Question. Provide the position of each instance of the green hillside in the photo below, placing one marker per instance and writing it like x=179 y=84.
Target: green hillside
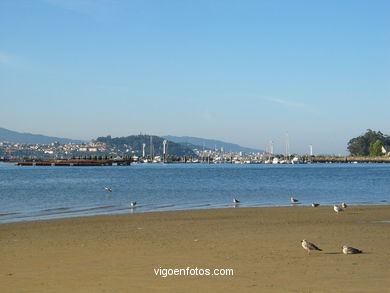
x=134 y=144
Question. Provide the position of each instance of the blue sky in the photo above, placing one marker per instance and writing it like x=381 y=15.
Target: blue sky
x=240 y=71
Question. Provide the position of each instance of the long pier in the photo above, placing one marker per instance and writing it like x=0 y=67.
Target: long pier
x=118 y=162
x=349 y=159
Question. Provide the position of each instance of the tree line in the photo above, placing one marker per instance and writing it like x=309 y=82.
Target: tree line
x=369 y=144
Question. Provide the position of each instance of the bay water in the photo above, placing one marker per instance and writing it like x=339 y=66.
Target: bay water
x=45 y=192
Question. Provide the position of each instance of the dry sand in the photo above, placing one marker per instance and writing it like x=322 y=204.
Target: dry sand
x=261 y=245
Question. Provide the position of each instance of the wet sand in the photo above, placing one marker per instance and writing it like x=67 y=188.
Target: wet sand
x=261 y=245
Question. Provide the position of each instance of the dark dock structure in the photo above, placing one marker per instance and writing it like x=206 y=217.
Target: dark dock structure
x=75 y=162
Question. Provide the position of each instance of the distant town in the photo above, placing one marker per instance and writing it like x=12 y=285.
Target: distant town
x=102 y=151
x=99 y=153
x=153 y=149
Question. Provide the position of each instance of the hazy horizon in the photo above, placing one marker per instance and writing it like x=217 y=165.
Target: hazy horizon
x=244 y=73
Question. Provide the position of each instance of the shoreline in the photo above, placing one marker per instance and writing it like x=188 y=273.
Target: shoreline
x=130 y=212
x=119 y=253
x=306 y=159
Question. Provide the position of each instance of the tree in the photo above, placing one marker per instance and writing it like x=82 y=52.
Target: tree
x=376 y=149
x=360 y=146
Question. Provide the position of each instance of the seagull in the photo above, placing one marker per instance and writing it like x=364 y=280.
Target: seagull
x=309 y=246
x=343 y=205
x=314 y=204
x=133 y=204
x=236 y=201
x=293 y=200
x=337 y=209
x=350 y=250
x=107 y=188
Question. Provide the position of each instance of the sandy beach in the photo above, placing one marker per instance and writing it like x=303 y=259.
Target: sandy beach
x=260 y=245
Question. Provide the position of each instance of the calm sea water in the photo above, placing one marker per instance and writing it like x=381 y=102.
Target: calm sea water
x=38 y=193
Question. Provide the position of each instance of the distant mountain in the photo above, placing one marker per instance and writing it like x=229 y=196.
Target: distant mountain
x=19 y=137
x=211 y=144
x=135 y=142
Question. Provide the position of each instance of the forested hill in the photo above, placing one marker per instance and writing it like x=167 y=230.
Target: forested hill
x=135 y=142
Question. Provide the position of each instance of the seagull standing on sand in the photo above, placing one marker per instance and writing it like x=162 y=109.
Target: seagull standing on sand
x=337 y=209
x=343 y=205
x=133 y=204
x=293 y=200
x=107 y=188
x=350 y=250
x=236 y=201
x=314 y=204
x=309 y=246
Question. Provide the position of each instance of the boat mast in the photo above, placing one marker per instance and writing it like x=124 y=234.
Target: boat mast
x=287 y=153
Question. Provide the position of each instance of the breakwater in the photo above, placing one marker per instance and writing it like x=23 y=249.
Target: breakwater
x=349 y=159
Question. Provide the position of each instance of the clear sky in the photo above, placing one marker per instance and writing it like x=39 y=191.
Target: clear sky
x=245 y=72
